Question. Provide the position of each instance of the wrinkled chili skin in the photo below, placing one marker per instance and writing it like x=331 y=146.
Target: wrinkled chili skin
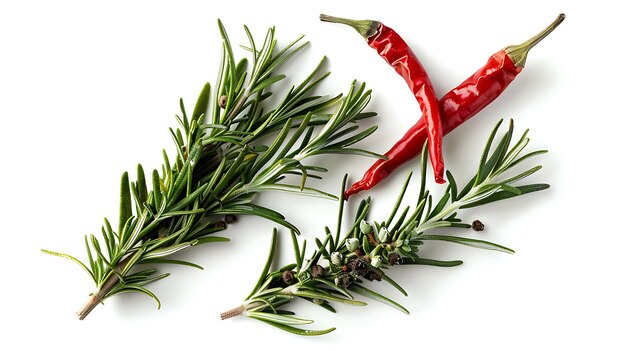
x=457 y=106
x=393 y=49
x=478 y=91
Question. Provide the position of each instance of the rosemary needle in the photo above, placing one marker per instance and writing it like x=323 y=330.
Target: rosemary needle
x=220 y=164
x=337 y=270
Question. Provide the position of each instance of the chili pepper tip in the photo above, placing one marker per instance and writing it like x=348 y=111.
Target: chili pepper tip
x=353 y=190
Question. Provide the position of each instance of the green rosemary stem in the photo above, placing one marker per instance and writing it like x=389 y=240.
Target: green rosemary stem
x=336 y=271
x=100 y=294
x=221 y=163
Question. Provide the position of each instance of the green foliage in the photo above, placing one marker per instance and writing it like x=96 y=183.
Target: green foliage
x=339 y=267
x=222 y=159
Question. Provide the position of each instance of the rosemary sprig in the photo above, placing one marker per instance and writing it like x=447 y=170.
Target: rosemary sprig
x=221 y=164
x=336 y=270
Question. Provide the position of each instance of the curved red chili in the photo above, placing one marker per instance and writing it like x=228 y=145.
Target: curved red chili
x=457 y=106
x=397 y=53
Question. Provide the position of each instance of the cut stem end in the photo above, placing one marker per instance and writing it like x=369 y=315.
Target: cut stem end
x=237 y=311
x=91 y=303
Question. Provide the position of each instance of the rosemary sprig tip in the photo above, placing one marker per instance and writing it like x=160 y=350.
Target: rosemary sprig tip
x=337 y=270
x=220 y=163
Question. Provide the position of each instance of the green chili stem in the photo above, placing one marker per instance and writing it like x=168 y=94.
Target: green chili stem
x=518 y=53
x=366 y=28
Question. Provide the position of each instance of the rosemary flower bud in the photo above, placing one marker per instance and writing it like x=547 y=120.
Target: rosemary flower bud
x=343 y=280
x=478 y=226
x=288 y=277
x=383 y=235
x=365 y=227
x=318 y=271
x=376 y=261
x=336 y=258
x=222 y=101
x=352 y=244
x=394 y=258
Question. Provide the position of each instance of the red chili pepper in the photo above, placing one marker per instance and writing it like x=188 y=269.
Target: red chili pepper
x=391 y=47
x=457 y=106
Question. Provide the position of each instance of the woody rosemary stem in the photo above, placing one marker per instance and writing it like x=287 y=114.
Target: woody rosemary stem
x=232 y=313
x=99 y=296
x=221 y=165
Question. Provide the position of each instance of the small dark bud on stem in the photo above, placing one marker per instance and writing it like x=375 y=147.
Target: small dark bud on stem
x=343 y=280
x=359 y=266
x=371 y=276
x=394 y=258
x=288 y=277
x=222 y=101
x=478 y=226
x=318 y=271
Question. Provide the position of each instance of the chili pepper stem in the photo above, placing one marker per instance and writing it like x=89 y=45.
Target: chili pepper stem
x=518 y=53
x=366 y=28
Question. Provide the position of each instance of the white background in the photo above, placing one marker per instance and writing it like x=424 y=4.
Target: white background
x=87 y=90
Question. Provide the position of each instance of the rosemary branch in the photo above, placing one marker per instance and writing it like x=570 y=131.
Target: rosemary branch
x=336 y=270
x=221 y=163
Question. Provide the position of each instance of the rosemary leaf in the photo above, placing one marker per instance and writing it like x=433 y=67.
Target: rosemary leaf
x=369 y=248
x=235 y=144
